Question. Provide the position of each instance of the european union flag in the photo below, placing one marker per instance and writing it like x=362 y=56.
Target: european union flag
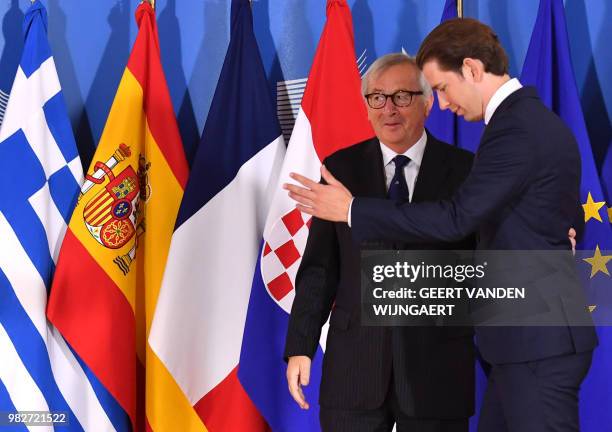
x=548 y=67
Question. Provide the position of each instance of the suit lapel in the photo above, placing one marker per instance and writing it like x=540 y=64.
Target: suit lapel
x=369 y=180
x=369 y=174
x=432 y=172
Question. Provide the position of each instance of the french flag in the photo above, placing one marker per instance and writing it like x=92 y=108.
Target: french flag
x=332 y=116
x=201 y=311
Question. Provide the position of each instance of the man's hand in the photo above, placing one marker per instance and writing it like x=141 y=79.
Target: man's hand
x=330 y=202
x=298 y=375
x=572 y=238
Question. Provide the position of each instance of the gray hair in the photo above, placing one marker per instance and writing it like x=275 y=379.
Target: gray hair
x=385 y=62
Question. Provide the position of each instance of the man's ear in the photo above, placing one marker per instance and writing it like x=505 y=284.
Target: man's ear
x=472 y=69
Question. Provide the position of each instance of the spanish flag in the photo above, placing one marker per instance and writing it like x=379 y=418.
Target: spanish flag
x=112 y=259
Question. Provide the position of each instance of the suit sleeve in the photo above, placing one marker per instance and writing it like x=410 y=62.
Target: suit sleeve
x=315 y=290
x=499 y=175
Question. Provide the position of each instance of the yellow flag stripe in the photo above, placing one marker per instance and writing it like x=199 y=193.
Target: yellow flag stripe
x=168 y=409
x=122 y=127
x=163 y=199
x=161 y=210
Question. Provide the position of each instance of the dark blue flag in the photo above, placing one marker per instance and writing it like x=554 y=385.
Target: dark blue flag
x=445 y=125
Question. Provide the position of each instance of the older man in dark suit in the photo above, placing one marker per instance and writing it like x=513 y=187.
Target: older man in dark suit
x=522 y=194
x=421 y=378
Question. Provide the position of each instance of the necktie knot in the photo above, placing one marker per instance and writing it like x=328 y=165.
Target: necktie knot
x=400 y=161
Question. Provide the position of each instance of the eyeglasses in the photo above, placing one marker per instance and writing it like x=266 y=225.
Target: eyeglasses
x=401 y=98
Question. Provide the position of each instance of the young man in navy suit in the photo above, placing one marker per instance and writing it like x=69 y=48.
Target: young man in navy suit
x=522 y=194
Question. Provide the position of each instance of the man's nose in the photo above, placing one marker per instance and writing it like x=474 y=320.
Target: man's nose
x=442 y=101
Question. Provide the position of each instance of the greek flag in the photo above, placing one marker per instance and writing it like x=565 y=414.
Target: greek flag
x=40 y=174
x=3 y=101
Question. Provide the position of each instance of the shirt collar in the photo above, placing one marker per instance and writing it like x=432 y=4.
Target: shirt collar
x=499 y=96
x=415 y=152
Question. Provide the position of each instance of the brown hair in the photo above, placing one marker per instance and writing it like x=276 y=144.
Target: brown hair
x=460 y=38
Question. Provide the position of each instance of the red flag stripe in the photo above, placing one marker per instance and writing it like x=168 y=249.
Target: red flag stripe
x=341 y=85
x=104 y=341
x=228 y=408
x=157 y=103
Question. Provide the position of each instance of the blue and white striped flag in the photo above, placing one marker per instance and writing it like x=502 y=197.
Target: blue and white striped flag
x=3 y=101
x=40 y=174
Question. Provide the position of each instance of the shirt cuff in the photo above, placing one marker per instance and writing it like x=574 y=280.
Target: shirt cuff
x=348 y=217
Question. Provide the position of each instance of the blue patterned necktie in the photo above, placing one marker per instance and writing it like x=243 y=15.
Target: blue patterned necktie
x=398 y=189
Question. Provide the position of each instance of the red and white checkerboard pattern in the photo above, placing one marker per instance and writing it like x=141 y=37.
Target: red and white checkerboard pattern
x=282 y=254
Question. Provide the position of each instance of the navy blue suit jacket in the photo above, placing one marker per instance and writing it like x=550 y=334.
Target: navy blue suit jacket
x=522 y=194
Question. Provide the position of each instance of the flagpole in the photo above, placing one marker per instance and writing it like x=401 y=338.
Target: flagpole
x=151 y=2
x=460 y=8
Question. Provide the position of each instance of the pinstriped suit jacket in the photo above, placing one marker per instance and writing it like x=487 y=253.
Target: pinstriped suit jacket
x=431 y=368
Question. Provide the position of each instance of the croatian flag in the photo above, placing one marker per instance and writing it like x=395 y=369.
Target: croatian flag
x=202 y=306
x=40 y=174
x=332 y=116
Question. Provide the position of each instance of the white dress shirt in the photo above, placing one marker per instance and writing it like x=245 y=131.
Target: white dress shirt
x=498 y=97
x=411 y=170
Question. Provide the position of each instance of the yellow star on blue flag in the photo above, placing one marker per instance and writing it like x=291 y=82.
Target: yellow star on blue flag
x=591 y=209
x=598 y=262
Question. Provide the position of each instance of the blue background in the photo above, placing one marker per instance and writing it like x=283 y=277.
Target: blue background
x=91 y=41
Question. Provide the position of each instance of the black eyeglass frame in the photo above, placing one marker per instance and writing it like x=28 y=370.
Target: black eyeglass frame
x=393 y=97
